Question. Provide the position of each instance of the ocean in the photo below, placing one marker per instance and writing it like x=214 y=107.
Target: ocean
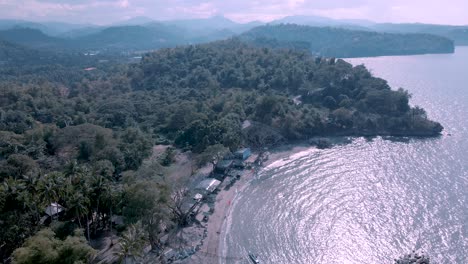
x=374 y=199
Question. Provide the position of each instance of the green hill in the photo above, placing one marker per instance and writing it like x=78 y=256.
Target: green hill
x=336 y=98
x=338 y=42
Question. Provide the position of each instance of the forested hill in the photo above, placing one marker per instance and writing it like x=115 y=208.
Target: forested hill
x=32 y=38
x=344 y=43
x=121 y=38
x=10 y=52
x=229 y=79
x=459 y=34
x=322 y=41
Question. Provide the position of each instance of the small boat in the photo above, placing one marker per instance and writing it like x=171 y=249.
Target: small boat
x=254 y=258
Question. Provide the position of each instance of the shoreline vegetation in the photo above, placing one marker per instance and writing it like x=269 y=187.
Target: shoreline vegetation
x=77 y=162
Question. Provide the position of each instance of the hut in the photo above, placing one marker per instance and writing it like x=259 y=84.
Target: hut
x=208 y=185
x=54 y=209
x=243 y=154
x=51 y=211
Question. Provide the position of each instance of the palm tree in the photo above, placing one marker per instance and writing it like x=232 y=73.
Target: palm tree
x=132 y=243
x=51 y=188
x=31 y=180
x=100 y=187
x=12 y=186
x=79 y=204
x=12 y=190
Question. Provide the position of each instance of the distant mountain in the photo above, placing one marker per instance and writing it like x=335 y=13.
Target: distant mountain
x=318 y=21
x=135 y=21
x=6 y=24
x=459 y=34
x=57 y=28
x=10 y=53
x=124 y=38
x=306 y=20
x=203 y=24
x=13 y=54
x=32 y=38
x=49 y=28
x=81 y=32
x=344 y=38
x=338 y=42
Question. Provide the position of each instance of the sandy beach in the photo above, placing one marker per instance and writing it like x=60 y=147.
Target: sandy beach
x=210 y=252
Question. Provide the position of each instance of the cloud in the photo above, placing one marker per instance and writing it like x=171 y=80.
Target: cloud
x=107 y=11
x=204 y=9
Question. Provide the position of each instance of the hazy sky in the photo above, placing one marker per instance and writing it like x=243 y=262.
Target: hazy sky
x=108 y=11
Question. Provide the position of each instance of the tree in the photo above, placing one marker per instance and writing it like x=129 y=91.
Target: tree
x=132 y=242
x=179 y=197
x=79 y=204
x=20 y=165
x=51 y=187
x=45 y=248
x=266 y=108
x=212 y=154
x=147 y=201
x=135 y=146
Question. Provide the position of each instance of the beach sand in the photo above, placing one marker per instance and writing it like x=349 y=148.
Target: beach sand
x=210 y=252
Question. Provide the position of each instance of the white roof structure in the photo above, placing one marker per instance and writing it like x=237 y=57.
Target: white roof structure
x=208 y=185
x=198 y=196
x=54 y=209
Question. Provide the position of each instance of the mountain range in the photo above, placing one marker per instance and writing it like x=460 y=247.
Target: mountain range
x=206 y=26
x=144 y=34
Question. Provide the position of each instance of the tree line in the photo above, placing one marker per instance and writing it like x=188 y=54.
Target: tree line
x=346 y=43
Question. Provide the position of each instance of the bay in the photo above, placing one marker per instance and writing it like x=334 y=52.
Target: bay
x=371 y=200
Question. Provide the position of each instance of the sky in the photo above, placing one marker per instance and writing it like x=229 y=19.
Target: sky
x=110 y=11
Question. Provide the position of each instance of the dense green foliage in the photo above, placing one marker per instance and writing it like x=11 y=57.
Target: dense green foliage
x=46 y=248
x=345 y=43
x=233 y=82
x=79 y=138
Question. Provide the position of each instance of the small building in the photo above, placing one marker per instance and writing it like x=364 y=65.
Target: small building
x=243 y=154
x=223 y=166
x=208 y=185
x=51 y=211
x=198 y=197
x=54 y=209
x=246 y=124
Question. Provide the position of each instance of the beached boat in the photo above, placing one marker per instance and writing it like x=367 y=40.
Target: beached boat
x=254 y=258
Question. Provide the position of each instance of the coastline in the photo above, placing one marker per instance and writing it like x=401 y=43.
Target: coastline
x=211 y=251
x=212 y=248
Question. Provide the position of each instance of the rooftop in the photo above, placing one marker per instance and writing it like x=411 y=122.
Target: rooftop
x=208 y=185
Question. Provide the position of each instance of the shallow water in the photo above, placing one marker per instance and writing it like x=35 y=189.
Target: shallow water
x=371 y=200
